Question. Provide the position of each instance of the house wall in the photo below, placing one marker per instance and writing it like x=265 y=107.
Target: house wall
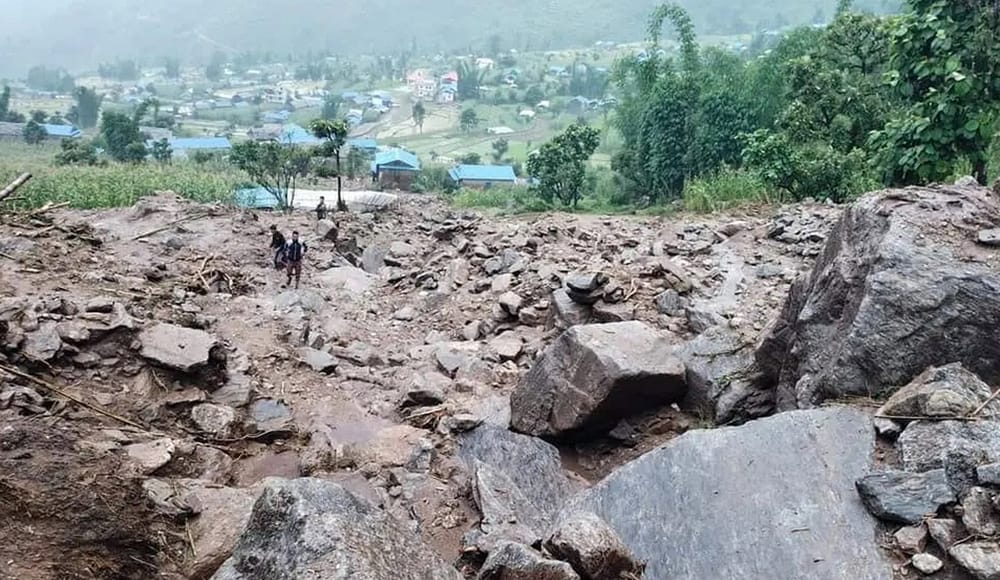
x=396 y=179
x=480 y=184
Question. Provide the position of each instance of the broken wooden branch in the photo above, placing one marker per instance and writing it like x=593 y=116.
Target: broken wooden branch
x=925 y=418
x=14 y=185
x=169 y=225
x=980 y=408
x=47 y=207
x=52 y=388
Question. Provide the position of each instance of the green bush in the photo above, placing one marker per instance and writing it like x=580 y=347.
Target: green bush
x=510 y=199
x=726 y=189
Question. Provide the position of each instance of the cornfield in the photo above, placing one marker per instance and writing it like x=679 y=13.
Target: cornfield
x=114 y=185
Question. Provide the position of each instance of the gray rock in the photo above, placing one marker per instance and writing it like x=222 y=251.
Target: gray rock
x=472 y=330
x=944 y=532
x=845 y=330
x=507 y=514
x=593 y=549
x=586 y=283
x=604 y=312
x=270 y=415
x=73 y=332
x=989 y=237
x=406 y=314
x=594 y=375
x=176 y=347
x=981 y=558
x=566 y=312
x=422 y=398
x=585 y=299
x=911 y=539
x=453 y=357
x=402 y=250
x=702 y=315
x=145 y=458
x=719 y=370
x=507 y=345
x=899 y=496
x=887 y=428
x=989 y=474
x=103 y=304
x=668 y=302
x=223 y=513
x=215 y=419
x=309 y=528
x=967 y=181
x=978 y=514
x=524 y=467
x=502 y=283
x=511 y=303
x=948 y=391
x=685 y=510
x=326 y=230
x=925 y=445
x=514 y=561
x=42 y=344
x=926 y=563
x=318 y=360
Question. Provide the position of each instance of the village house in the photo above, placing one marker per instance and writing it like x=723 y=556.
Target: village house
x=15 y=132
x=366 y=145
x=183 y=147
x=482 y=176
x=395 y=168
x=447 y=94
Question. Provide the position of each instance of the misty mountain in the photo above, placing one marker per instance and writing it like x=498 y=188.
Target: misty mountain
x=78 y=34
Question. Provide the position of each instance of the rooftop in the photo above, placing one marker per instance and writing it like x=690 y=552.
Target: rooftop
x=200 y=143
x=396 y=156
x=483 y=173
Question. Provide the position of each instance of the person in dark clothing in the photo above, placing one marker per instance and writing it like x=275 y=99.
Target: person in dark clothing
x=321 y=208
x=278 y=246
x=295 y=250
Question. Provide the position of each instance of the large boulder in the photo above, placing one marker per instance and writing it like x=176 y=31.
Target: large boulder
x=947 y=391
x=592 y=376
x=310 y=528
x=513 y=561
x=773 y=498
x=904 y=497
x=177 y=347
x=518 y=483
x=926 y=445
x=900 y=286
x=593 y=549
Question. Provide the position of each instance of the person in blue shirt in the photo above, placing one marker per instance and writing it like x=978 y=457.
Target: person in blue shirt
x=295 y=251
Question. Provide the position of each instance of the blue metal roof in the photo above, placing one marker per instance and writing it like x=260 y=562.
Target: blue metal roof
x=200 y=143
x=483 y=173
x=255 y=198
x=276 y=116
x=61 y=130
x=363 y=143
x=293 y=134
x=397 y=157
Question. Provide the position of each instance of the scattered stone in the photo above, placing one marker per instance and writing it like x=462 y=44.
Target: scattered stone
x=604 y=312
x=732 y=228
x=887 y=428
x=978 y=513
x=514 y=561
x=421 y=398
x=989 y=237
x=148 y=457
x=454 y=356
x=943 y=531
x=223 y=513
x=981 y=558
x=507 y=345
x=719 y=371
x=406 y=314
x=947 y=391
x=511 y=303
x=823 y=345
x=102 y=304
x=668 y=302
x=502 y=283
x=592 y=548
x=592 y=376
x=215 y=419
x=72 y=332
x=463 y=422
x=317 y=529
x=904 y=497
x=318 y=360
x=270 y=415
x=42 y=344
x=257 y=468
x=472 y=330
x=926 y=563
x=586 y=283
x=326 y=230
x=926 y=445
x=911 y=539
x=805 y=525
x=566 y=312
x=176 y=347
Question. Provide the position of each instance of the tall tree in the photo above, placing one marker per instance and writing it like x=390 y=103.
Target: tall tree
x=87 y=108
x=419 y=114
x=161 y=151
x=560 y=165
x=334 y=135
x=469 y=80
x=469 y=120
x=331 y=107
x=120 y=133
x=945 y=58
x=500 y=147
x=4 y=103
x=173 y=67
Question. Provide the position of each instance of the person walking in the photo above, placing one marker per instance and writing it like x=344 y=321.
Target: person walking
x=321 y=208
x=295 y=251
x=277 y=246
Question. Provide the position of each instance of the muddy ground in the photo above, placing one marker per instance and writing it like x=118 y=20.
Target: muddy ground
x=406 y=300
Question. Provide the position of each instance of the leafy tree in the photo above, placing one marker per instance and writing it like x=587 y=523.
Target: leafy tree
x=76 y=152
x=469 y=80
x=274 y=167
x=87 y=108
x=500 y=147
x=534 y=95
x=469 y=120
x=945 y=60
x=135 y=152
x=54 y=80
x=161 y=151
x=419 y=114
x=4 y=103
x=470 y=159
x=173 y=67
x=331 y=107
x=34 y=133
x=39 y=116
x=560 y=165
x=119 y=132
x=334 y=134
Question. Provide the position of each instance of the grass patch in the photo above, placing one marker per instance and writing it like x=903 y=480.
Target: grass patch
x=511 y=199
x=726 y=189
